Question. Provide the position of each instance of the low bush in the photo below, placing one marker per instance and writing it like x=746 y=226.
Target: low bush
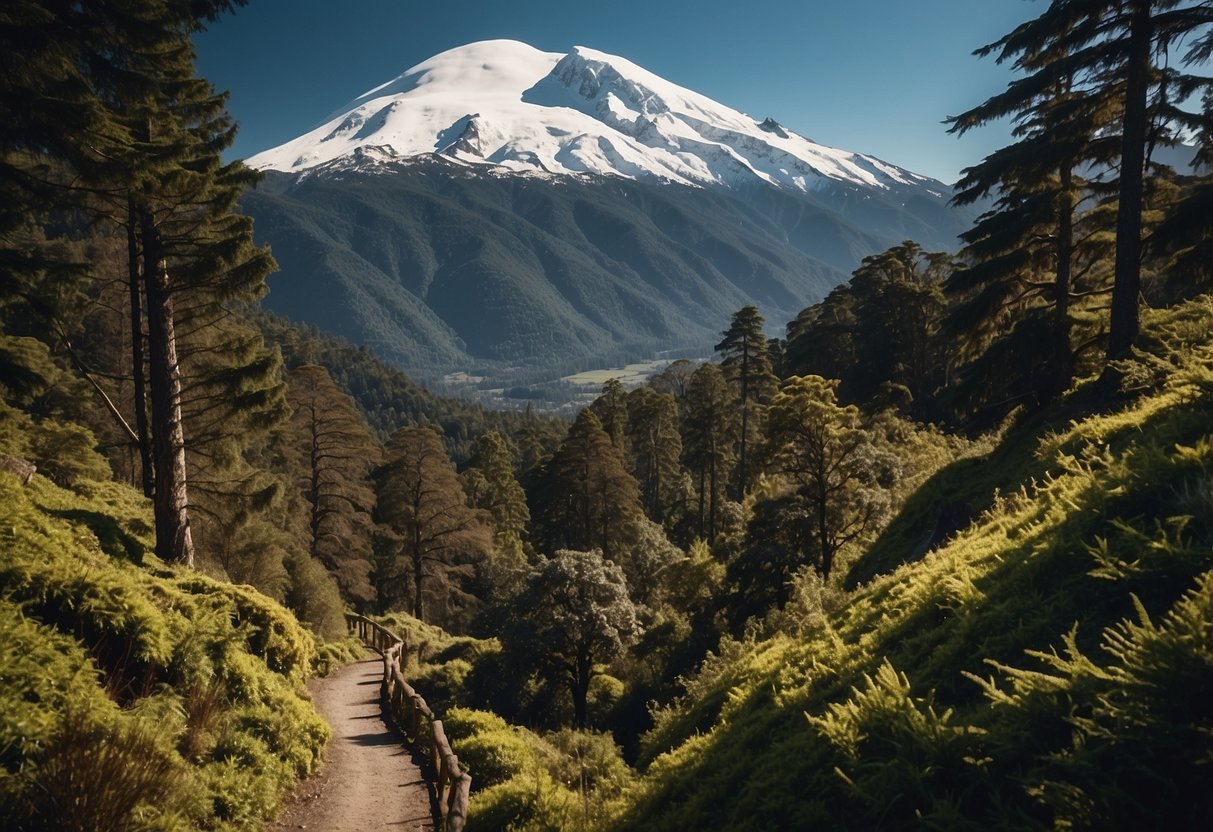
x=138 y=697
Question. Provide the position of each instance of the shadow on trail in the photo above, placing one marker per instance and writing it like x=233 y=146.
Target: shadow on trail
x=384 y=738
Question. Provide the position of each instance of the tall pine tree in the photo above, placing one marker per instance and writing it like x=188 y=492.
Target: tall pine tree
x=1119 y=53
x=746 y=364
x=332 y=453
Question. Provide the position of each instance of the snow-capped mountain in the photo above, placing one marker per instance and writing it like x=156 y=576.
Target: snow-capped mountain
x=503 y=104
x=498 y=204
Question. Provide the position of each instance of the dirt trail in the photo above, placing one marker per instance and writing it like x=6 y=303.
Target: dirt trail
x=368 y=781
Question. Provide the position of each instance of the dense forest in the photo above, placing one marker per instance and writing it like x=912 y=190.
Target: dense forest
x=942 y=556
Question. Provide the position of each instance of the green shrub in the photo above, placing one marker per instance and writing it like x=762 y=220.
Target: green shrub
x=589 y=761
x=107 y=775
x=602 y=697
x=138 y=682
x=331 y=655
x=496 y=756
x=531 y=803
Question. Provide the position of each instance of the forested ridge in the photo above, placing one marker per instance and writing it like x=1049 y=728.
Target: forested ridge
x=941 y=556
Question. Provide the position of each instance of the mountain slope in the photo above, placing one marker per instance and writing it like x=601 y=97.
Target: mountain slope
x=434 y=267
x=501 y=204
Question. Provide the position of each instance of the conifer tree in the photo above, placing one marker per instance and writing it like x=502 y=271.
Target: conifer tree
x=1118 y=52
x=590 y=501
x=1185 y=235
x=898 y=304
x=490 y=486
x=656 y=450
x=821 y=338
x=333 y=454
x=710 y=427
x=421 y=498
x=746 y=365
x=824 y=449
x=186 y=219
x=612 y=411
x=1029 y=256
x=145 y=139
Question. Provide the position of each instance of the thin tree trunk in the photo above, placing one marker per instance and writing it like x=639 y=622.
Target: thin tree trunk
x=580 y=691
x=138 y=360
x=418 y=573
x=827 y=554
x=314 y=484
x=1127 y=286
x=712 y=498
x=702 y=494
x=174 y=542
x=1063 y=357
x=745 y=416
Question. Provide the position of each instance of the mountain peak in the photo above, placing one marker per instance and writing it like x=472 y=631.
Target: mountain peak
x=507 y=105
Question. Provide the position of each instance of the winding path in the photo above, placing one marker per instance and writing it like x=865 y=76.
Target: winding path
x=368 y=780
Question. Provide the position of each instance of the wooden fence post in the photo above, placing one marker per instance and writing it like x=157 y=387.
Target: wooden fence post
x=408 y=710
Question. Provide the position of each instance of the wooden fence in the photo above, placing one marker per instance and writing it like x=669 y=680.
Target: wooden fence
x=413 y=717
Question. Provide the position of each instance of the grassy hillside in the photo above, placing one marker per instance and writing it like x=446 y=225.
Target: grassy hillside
x=134 y=696
x=1051 y=666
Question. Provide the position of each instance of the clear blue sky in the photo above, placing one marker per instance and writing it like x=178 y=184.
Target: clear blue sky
x=875 y=76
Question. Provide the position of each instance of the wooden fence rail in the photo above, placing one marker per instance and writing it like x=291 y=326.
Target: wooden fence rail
x=414 y=718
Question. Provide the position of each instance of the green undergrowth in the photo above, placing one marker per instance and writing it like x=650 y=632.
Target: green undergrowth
x=446 y=669
x=522 y=781
x=525 y=782
x=138 y=696
x=1050 y=666
x=336 y=653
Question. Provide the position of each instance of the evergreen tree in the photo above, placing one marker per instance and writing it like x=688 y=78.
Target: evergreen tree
x=1035 y=254
x=333 y=454
x=491 y=487
x=143 y=148
x=612 y=411
x=589 y=500
x=710 y=427
x=233 y=405
x=898 y=306
x=656 y=450
x=822 y=337
x=186 y=219
x=1185 y=235
x=745 y=362
x=421 y=499
x=1119 y=52
x=834 y=462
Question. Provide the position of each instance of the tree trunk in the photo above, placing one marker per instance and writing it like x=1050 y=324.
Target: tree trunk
x=314 y=483
x=712 y=498
x=134 y=277
x=745 y=417
x=418 y=573
x=1127 y=286
x=1063 y=357
x=174 y=542
x=702 y=494
x=827 y=553
x=580 y=688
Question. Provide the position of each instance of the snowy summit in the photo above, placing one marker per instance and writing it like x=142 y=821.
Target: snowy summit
x=508 y=106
